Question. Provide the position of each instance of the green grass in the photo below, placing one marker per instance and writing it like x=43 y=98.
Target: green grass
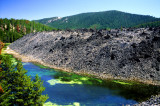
x=13 y=60
x=5 y=47
x=6 y=44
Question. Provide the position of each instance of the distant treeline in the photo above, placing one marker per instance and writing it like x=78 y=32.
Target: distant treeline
x=11 y=29
x=149 y=24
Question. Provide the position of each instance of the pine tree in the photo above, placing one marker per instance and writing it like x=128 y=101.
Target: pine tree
x=18 y=88
x=11 y=29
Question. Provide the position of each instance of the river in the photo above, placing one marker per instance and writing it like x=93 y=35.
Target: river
x=71 y=89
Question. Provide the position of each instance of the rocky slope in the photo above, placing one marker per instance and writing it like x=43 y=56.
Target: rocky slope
x=129 y=54
x=153 y=101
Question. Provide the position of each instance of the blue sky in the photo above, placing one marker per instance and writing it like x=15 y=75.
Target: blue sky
x=38 y=9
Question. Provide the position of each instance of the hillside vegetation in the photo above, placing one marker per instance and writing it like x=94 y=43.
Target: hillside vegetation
x=11 y=29
x=149 y=24
x=98 y=20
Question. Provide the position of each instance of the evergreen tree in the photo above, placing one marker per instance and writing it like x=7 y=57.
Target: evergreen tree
x=11 y=30
x=18 y=88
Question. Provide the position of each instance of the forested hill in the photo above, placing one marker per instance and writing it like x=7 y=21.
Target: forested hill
x=47 y=20
x=149 y=24
x=98 y=20
x=11 y=29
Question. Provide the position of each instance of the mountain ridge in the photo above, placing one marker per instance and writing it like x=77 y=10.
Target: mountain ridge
x=99 y=20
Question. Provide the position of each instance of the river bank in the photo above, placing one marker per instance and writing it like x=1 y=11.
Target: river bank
x=153 y=101
x=103 y=76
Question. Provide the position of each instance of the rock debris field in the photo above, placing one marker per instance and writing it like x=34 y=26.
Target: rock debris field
x=128 y=54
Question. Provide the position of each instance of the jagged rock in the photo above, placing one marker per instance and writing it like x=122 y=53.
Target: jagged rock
x=153 y=101
x=130 y=53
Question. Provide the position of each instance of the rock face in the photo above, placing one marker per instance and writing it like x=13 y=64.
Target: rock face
x=153 y=101
x=122 y=54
